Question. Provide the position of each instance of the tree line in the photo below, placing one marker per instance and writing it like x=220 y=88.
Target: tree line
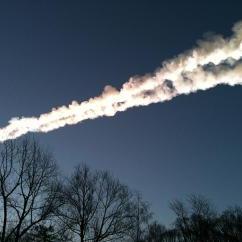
x=38 y=204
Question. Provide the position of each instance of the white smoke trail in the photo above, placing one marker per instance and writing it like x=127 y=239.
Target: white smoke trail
x=184 y=74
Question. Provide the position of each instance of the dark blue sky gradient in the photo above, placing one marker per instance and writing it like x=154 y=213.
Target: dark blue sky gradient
x=53 y=52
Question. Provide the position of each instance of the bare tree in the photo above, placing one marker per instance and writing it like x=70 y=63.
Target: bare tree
x=155 y=232
x=141 y=215
x=230 y=224
x=79 y=205
x=28 y=187
x=97 y=207
x=202 y=218
x=197 y=221
x=112 y=219
x=182 y=219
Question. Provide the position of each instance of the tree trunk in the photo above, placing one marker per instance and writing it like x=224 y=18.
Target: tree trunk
x=4 y=219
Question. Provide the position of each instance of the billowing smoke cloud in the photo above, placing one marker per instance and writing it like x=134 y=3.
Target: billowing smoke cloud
x=215 y=61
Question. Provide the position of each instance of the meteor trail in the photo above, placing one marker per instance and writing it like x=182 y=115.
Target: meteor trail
x=213 y=62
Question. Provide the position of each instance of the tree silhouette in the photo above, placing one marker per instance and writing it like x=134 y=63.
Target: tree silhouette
x=96 y=206
x=28 y=187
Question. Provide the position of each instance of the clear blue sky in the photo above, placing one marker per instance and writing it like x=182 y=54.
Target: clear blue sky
x=53 y=52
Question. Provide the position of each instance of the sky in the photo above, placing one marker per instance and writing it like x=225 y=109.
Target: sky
x=53 y=52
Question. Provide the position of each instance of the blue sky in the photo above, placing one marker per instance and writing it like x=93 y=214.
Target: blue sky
x=53 y=52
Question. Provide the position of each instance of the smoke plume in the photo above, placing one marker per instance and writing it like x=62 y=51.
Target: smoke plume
x=214 y=61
